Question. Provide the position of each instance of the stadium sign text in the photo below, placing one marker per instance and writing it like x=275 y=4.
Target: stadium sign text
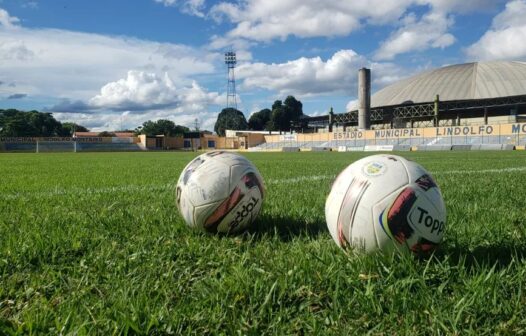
x=518 y=128
x=348 y=135
x=465 y=130
x=395 y=133
x=49 y=139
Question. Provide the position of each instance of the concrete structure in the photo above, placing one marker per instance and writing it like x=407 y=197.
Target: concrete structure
x=364 y=99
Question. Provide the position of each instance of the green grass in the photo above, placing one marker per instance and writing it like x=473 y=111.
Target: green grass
x=93 y=244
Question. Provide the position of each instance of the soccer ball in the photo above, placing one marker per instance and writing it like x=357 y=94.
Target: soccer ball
x=386 y=203
x=220 y=192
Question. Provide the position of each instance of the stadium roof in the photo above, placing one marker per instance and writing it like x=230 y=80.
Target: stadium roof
x=468 y=81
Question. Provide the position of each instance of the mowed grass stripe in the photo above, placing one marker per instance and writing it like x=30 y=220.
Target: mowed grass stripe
x=122 y=261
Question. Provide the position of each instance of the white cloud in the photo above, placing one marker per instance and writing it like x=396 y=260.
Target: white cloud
x=30 y=4
x=60 y=63
x=138 y=91
x=428 y=32
x=304 y=76
x=264 y=20
x=139 y=97
x=505 y=39
x=7 y=21
x=308 y=77
x=192 y=7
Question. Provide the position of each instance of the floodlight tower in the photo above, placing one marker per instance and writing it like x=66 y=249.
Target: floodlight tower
x=230 y=61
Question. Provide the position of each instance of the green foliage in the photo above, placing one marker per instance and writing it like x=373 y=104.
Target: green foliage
x=101 y=249
x=285 y=113
x=15 y=123
x=259 y=120
x=71 y=127
x=161 y=127
x=230 y=118
x=106 y=134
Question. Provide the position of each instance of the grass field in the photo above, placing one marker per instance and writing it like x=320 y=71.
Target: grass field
x=93 y=244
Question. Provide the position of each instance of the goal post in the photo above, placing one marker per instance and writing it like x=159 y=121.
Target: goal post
x=56 y=146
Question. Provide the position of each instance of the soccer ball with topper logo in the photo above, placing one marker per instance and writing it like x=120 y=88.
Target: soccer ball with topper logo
x=385 y=202
x=220 y=192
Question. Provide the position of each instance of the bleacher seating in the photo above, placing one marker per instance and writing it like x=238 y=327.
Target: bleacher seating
x=107 y=147
x=441 y=143
x=68 y=146
x=20 y=147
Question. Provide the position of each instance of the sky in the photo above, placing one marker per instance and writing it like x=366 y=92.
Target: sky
x=114 y=64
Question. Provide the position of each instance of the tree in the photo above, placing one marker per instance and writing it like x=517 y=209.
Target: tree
x=230 y=118
x=70 y=128
x=285 y=113
x=14 y=123
x=278 y=119
x=161 y=126
x=294 y=108
x=259 y=120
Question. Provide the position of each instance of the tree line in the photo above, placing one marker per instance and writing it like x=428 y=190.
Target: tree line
x=280 y=117
x=15 y=123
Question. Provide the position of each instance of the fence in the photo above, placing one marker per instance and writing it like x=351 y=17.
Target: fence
x=67 y=144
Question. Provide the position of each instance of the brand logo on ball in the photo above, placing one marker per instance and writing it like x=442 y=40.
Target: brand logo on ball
x=424 y=217
x=374 y=169
x=243 y=212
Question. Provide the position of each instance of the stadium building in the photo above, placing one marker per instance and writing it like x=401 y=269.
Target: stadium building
x=462 y=94
x=467 y=106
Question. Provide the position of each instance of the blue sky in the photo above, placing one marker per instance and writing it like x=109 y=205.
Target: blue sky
x=115 y=64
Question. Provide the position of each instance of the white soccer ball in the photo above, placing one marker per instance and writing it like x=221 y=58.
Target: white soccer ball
x=220 y=192
x=386 y=203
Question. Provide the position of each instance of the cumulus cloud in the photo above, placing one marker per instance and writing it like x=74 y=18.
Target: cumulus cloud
x=139 y=97
x=7 y=21
x=142 y=91
x=306 y=77
x=145 y=91
x=428 y=32
x=264 y=20
x=139 y=90
x=505 y=39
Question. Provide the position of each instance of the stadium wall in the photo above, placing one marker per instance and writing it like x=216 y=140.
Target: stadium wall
x=501 y=133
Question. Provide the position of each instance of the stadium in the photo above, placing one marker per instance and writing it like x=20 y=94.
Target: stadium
x=92 y=240
x=474 y=105
x=478 y=105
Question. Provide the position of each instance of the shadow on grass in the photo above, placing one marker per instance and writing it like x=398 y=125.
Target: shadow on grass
x=499 y=254
x=285 y=228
